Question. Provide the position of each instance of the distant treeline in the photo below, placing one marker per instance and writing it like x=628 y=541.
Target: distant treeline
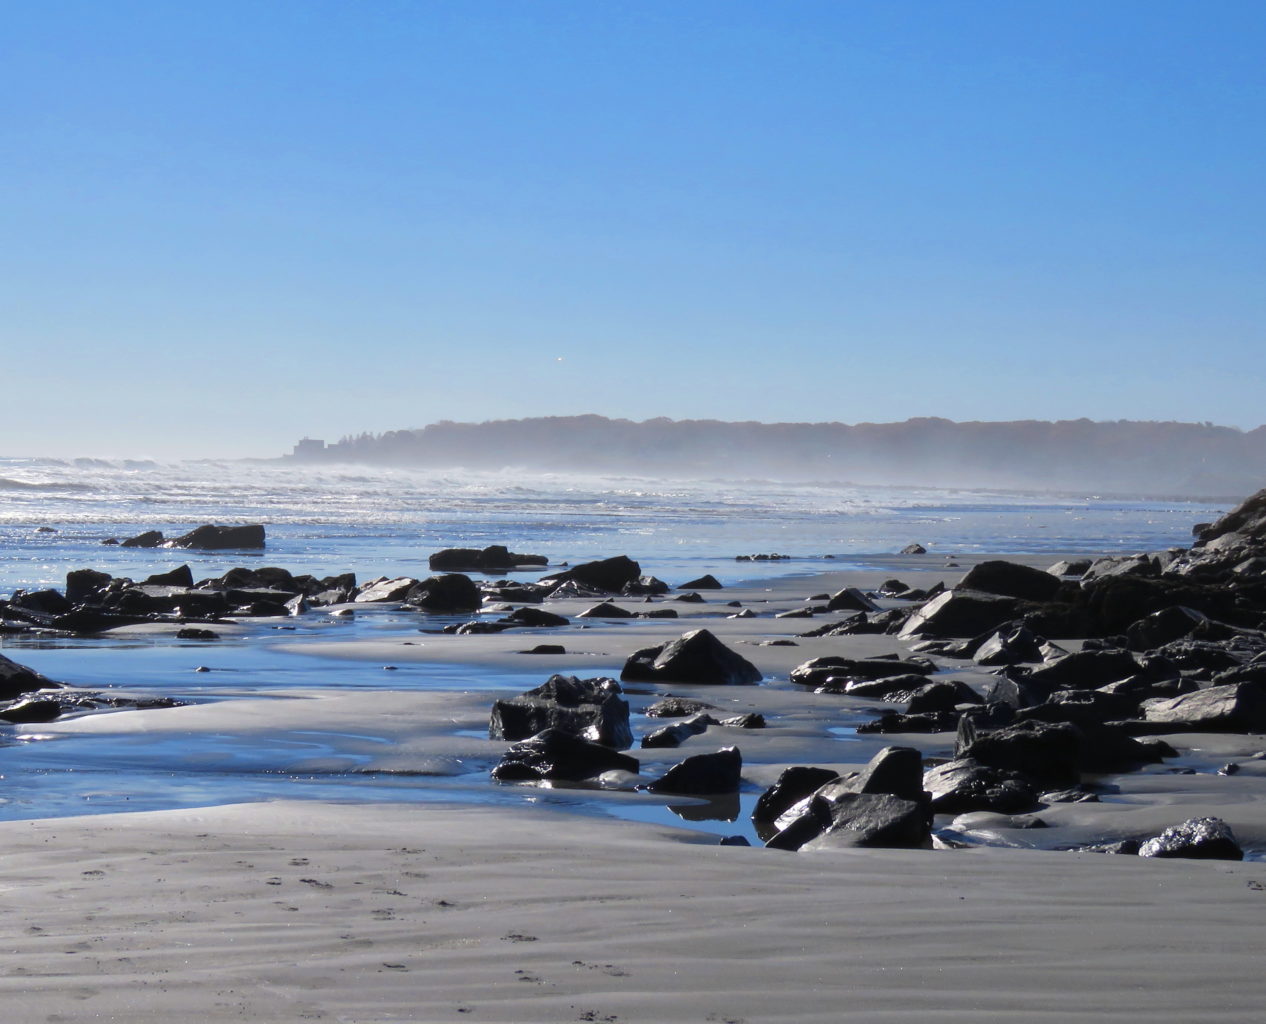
x=1121 y=457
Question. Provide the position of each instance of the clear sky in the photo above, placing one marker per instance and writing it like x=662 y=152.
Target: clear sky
x=229 y=224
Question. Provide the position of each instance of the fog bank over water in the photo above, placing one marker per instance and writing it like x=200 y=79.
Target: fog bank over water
x=1195 y=460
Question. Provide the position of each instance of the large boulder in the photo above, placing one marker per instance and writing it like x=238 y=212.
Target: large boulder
x=16 y=680
x=380 y=591
x=495 y=557
x=1010 y=580
x=702 y=774
x=674 y=734
x=962 y=613
x=850 y=599
x=558 y=755
x=1247 y=520
x=882 y=805
x=590 y=708
x=1041 y=750
x=148 y=539
x=793 y=785
x=818 y=671
x=85 y=584
x=452 y=592
x=220 y=538
x=872 y=820
x=1198 y=838
x=696 y=657
x=608 y=575
x=964 y=785
x=1236 y=707
x=1087 y=669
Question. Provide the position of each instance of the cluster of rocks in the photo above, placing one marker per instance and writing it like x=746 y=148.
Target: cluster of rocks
x=574 y=729
x=27 y=697
x=204 y=538
x=1177 y=643
x=95 y=601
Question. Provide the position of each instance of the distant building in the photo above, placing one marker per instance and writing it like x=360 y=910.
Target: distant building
x=308 y=448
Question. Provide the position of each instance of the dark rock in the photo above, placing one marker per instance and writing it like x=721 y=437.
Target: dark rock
x=29 y=710
x=609 y=575
x=897 y=689
x=1042 y=751
x=702 y=774
x=1164 y=626
x=493 y=558
x=645 y=586
x=82 y=584
x=871 y=820
x=1247 y=520
x=851 y=599
x=794 y=784
x=914 y=549
x=897 y=771
x=149 y=539
x=1199 y=838
x=1086 y=670
x=1013 y=645
x=591 y=708
x=964 y=785
x=535 y=617
x=696 y=657
x=90 y=620
x=190 y=633
x=16 y=680
x=659 y=613
x=181 y=576
x=1077 y=567
x=557 y=755
x=961 y=613
x=220 y=538
x=747 y=720
x=678 y=707
x=707 y=582
x=1238 y=707
x=691 y=598
x=1010 y=580
x=942 y=696
x=50 y=602
x=675 y=734
x=546 y=649
x=734 y=841
x=896 y=722
x=606 y=610
x=476 y=628
x=816 y=671
x=452 y=592
x=384 y=590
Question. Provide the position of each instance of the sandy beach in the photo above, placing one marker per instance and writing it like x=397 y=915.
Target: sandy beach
x=303 y=910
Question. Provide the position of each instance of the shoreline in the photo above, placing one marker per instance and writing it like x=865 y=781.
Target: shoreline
x=448 y=909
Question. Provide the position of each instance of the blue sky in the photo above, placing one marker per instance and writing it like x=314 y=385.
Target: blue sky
x=230 y=224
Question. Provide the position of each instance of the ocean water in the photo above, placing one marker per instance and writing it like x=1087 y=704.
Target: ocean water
x=324 y=520
x=372 y=521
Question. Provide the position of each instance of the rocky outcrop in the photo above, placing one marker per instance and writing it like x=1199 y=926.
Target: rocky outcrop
x=593 y=709
x=696 y=657
x=494 y=558
x=1195 y=838
x=555 y=755
x=606 y=576
x=220 y=538
x=452 y=592
x=702 y=775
